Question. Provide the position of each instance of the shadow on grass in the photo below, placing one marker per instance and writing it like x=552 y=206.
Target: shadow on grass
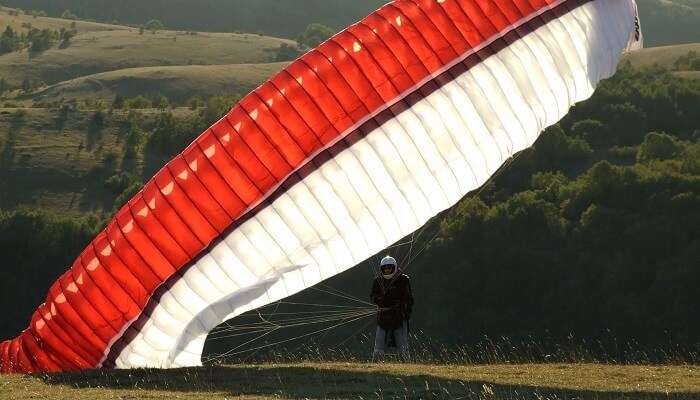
x=316 y=383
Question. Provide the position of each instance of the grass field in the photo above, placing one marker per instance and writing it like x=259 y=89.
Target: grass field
x=366 y=381
x=665 y=55
x=59 y=165
x=100 y=48
x=178 y=83
x=16 y=21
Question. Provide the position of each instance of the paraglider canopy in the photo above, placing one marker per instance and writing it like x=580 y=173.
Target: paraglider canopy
x=353 y=146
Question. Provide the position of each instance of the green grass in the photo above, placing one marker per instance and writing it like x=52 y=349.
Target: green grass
x=339 y=380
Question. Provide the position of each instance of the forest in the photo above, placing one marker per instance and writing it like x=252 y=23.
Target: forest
x=590 y=234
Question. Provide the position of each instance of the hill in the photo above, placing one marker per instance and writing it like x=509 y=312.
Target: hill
x=112 y=48
x=665 y=22
x=664 y=56
x=58 y=160
x=178 y=83
x=273 y=17
x=349 y=380
x=18 y=22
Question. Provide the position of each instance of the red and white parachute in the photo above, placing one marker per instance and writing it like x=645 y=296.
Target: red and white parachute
x=350 y=148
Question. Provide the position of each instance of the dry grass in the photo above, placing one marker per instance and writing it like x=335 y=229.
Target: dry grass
x=94 y=51
x=178 y=83
x=351 y=380
x=688 y=74
x=60 y=167
x=16 y=21
x=664 y=56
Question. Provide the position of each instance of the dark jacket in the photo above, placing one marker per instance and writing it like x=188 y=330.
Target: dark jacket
x=394 y=299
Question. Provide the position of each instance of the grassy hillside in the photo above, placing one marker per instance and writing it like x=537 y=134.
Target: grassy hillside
x=59 y=162
x=665 y=21
x=17 y=22
x=665 y=55
x=178 y=83
x=353 y=381
x=96 y=51
x=286 y=18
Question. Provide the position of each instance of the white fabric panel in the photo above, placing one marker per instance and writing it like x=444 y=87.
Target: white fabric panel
x=390 y=183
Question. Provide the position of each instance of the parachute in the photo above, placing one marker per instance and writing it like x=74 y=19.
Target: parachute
x=350 y=148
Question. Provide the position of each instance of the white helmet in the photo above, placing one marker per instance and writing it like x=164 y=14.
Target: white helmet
x=388 y=267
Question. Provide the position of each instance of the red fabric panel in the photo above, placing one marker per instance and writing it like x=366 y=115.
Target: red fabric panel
x=13 y=350
x=213 y=181
x=442 y=22
x=131 y=259
x=62 y=338
x=183 y=207
x=170 y=220
x=282 y=110
x=81 y=282
x=351 y=73
x=143 y=245
x=5 y=357
x=24 y=363
x=228 y=169
x=305 y=106
x=322 y=97
x=121 y=274
x=159 y=236
x=368 y=66
x=379 y=51
x=198 y=195
x=331 y=77
x=42 y=360
x=85 y=311
x=388 y=34
x=54 y=340
x=279 y=138
x=262 y=150
x=240 y=153
x=414 y=21
x=108 y=286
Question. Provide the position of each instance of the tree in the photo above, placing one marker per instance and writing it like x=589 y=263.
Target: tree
x=658 y=146
x=286 y=53
x=695 y=64
x=41 y=40
x=9 y=41
x=66 y=35
x=594 y=132
x=68 y=15
x=160 y=102
x=118 y=102
x=314 y=35
x=154 y=26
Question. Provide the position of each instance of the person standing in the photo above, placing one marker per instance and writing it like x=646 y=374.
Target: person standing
x=391 y=292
